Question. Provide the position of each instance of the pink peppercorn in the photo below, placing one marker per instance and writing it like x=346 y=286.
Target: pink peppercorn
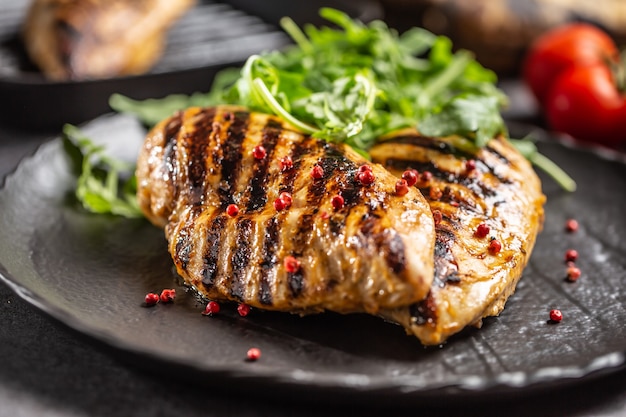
x=279 y=204
x=259 y=152
x=286 y=163
x=482 y=230
x=243 y=309
x=410 y=176
x=495 y=246
x=253 y=354
x=402 y=187
x=337 y=202
x=317 y=172
x=556 y=316
x=366 y=177
x=571 y=255
x=211 y=308
x=232 y=210
x=437 y=216
x=151 y=299
x=168 y=295
x=573 y=273
x=571 y=225
x=291 y=264
x=286 y=197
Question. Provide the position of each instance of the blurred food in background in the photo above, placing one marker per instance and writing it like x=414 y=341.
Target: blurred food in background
x=500 y=31
x=89 y=39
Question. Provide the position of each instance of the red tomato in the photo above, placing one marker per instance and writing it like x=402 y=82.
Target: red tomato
x=585 y=103
x=562 y=48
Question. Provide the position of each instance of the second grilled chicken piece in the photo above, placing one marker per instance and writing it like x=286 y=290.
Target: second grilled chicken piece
x=213 y=176
x=84 y=39
x=476 y=267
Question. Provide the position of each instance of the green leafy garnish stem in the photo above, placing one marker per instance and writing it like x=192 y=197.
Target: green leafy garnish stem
x=277 y=109
x=529 y=150
x=296 y=34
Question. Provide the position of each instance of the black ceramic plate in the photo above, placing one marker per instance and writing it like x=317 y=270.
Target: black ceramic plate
x=91 y=272
x=213 y=35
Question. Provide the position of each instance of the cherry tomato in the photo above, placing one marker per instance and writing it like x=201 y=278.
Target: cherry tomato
x=585 y=103
x=555 y=51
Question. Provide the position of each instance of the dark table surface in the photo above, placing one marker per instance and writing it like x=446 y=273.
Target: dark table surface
x=49 y=370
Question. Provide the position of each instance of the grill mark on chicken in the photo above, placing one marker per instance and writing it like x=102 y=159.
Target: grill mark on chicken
x=184 y=245
x=268 y=260
x=388 y=243
x=317 y=189
x=241 y=257
x=296 y=153
x=258 y=184
x=197 y=150
x=212 y=250
x=446 y=265
x=170 y=133
x=231 y=157
x=424 y=312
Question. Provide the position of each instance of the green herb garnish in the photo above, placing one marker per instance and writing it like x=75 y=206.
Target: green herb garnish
x=105 y=184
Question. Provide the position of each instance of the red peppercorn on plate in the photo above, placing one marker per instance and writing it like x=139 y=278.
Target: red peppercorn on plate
x=93 y=272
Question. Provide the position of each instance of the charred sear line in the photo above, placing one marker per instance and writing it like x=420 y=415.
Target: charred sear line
x=384 y=241
x=446 y=266
x=241 y=257
x=210 y=259
x=302 y=233
x=344 y=171
x=296 y=282
x=258 y=184
x=297 y=152
x=230 y=160
x=170 y=133
x=395 y=254
x=424 y=312
x=497 y=154
x=184 y=247
x=268 y=259
x=196 y=145
x=317 y=187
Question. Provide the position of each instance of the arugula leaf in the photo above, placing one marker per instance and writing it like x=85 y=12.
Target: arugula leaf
x=101 y=187
x=469 y=116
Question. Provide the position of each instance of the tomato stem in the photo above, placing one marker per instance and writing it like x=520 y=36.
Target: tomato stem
x=618 y=69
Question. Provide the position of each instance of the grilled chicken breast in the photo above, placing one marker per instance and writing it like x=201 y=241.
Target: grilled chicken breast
x=212 y=176
x=497 y=188
x=82 y=39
